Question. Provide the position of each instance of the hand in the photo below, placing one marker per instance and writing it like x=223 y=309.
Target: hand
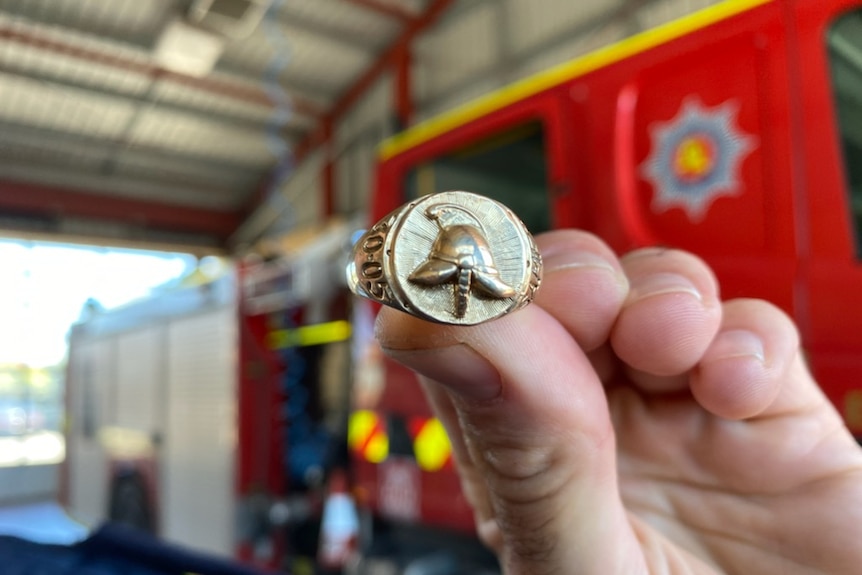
x=630 y=422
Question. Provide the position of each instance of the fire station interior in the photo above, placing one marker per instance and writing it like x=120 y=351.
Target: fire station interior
x=183 y=366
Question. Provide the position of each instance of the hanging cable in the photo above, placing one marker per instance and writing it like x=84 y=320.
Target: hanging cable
x=281 y=114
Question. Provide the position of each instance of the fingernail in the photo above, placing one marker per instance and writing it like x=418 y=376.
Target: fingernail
x=736 y=343
x=562 y=260
x=662 y=283
x=458 y=367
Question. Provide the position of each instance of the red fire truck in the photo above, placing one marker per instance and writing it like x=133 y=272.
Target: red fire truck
x=735 y=133
x=209 y=414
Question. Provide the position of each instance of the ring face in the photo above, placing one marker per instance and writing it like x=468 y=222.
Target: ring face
x=452 y=257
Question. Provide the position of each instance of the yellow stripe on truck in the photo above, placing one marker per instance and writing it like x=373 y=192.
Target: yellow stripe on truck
x=562 y=73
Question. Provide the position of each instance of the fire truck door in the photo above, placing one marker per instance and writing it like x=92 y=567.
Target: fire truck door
x=701 y=153
x=829 y=158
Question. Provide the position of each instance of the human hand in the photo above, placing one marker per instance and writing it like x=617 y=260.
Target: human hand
x=630 y=422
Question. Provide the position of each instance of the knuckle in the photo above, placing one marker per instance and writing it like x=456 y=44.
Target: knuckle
x=520 y=474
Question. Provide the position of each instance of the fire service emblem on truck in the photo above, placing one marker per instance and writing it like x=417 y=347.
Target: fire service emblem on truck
x=696 y=157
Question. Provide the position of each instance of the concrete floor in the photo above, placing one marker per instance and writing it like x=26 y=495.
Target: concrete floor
x=43 y=522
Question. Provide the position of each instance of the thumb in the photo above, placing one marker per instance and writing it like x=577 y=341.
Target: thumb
x=533 y=416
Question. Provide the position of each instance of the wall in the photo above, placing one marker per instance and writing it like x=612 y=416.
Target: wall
x=482 y=45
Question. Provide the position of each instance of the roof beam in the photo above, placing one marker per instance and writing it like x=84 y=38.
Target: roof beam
x=204 y=193
x=53 y=202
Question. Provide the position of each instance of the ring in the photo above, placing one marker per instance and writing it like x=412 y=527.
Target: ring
x=452 y=257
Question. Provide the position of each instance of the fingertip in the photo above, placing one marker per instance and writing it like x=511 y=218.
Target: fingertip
x=556 y=242
x=671 y=314
x=736 y=387
x=665 y=337
x=584 y=286
x=741 y=373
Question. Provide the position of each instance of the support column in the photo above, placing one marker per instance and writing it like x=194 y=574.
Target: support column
x=328 y=175
x=403 y=88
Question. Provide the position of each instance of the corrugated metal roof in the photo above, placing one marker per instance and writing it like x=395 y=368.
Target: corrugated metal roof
x=83 y=100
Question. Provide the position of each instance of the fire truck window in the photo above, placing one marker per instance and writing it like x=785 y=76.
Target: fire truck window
x=509 y=167
x=845 y=50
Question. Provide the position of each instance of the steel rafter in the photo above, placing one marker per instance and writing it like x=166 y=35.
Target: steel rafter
x=228 y=89
x=48 y=201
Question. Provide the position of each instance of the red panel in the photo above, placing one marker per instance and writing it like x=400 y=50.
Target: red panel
x=260 y=448
x=444 y=503
x=832 y=267
x=819 y=143
x=261 y=443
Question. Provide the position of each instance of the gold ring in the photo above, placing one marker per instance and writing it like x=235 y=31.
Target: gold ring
x=452 y=257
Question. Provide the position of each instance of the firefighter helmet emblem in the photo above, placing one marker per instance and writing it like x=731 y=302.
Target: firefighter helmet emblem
x=461 y=256
x=696 y=158
x=416 y=256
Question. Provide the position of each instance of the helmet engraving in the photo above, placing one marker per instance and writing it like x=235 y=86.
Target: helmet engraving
x=461 y=256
